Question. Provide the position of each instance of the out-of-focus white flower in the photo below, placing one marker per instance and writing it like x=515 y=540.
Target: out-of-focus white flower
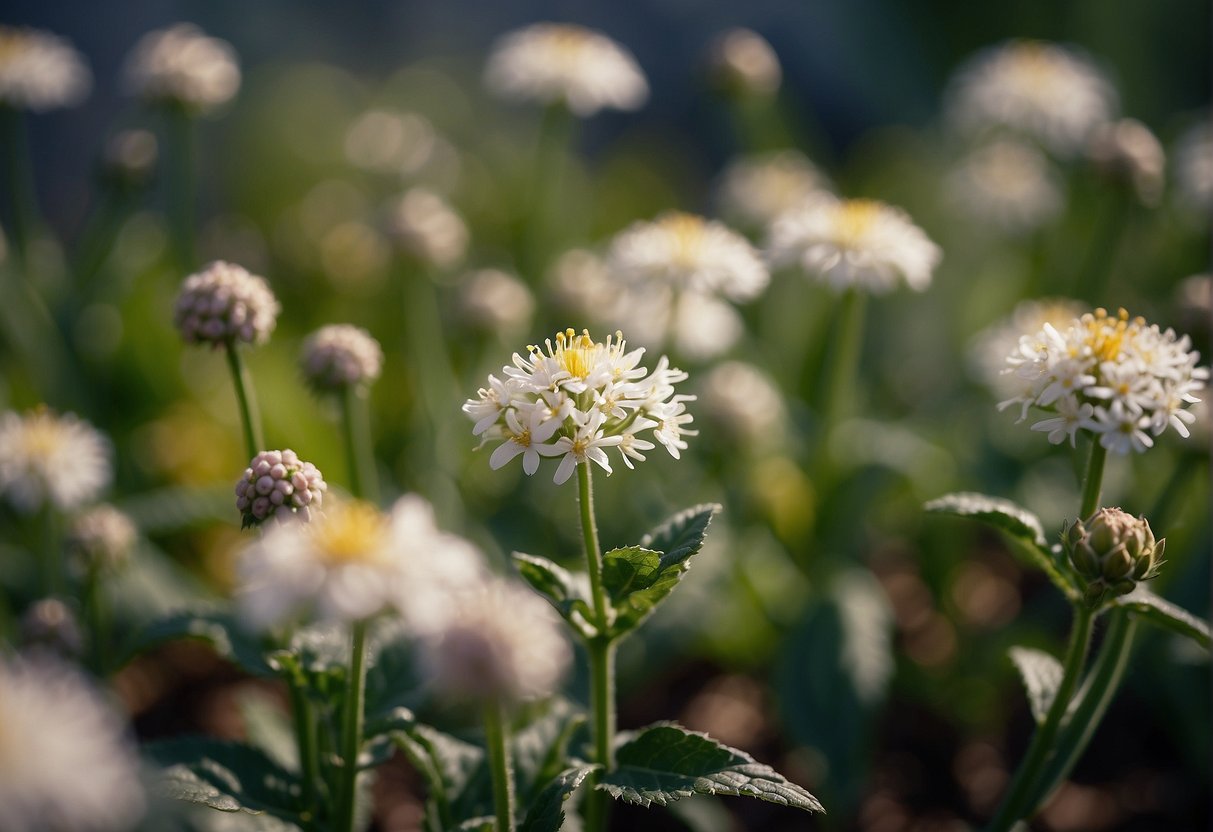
x=1127 y=152
x=184 y=66
x=427 y=228
x=742 y=61
x=754 y=190
x=1114 y=376
x=744 y=402
x=352 y=562
x=559 y=62
x=1008 y=184
x=224 y=303
x=338 y=356
x=66 y=762
x=1194 y=167
x=854 y=243
x=279 y=484
x=49 y=628
x=101 y=539
x=47 y=458
x=497 y=301
x=581 y=283
x=988 y=353
x=40 y=71
x=1049 y=92
x=129 y=158
x=500 y=643
x=576 y=398
x=390 y=141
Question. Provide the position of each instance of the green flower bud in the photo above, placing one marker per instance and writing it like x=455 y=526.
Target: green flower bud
x=1111 y=551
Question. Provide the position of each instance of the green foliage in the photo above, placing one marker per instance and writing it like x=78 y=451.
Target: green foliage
x=547 y=812
x=666 y=762
x=448 y=766
x=1041 y=674
x=217 y=628
x=540 y=749
x=567 y=591
x=1161 y=612
x=681 y=535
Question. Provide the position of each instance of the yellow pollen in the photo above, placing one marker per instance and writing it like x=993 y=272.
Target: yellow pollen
x=580 y=446
x=1105 y=334
x=575 y=352
x=855 y=219
x=687 y=231
x=523 y=439
x=350 y=533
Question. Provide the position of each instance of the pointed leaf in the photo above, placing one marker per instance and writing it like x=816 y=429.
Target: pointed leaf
x=217 y=628
x=682 y=535
x=568 y=592
x=546 y=814
x=666 y=762
x=1157 y=610
x=540 y=749
x=229 y=776
x=454 y=771
x=629 y=570
x=1041 y=674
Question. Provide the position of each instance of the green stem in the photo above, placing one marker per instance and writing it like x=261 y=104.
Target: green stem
x=844 y=358
x=21 y=184
x=97 y=240
x=97 y=618
x=351 y=732
x=1015 y=803
x=243 y=383
x=52 y=553
x=355 y=431
x=1092 y=481
x=589 y=538
x=496 y=736
x=1092 y=703
x=306 y=739
x=181 y=191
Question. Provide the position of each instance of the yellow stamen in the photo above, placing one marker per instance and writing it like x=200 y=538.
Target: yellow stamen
x=350 y=533
x=855 y=219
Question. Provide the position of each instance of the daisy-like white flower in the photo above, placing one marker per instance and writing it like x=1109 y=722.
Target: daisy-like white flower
x=66 y=761
x=1126 y=152
x=182 y=65
x=101 y=539
x=565 y=63
x=279 y=484
x=352 y=562
x=501 y=643
x=574 y=399
x=48 y=458
x=1194 y=167
x=338 y=356
x=1121 y=379
x=754 y=190
x=224 y=303
x=991 y=346
x=40 y=71
x=742 y=61
x=854 y=243
x=1051 y=93
x=425 y=227
x=1008 y=184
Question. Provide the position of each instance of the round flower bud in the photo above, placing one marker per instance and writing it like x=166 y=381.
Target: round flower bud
x=182 y=65
x=339 y=356
x=1112 y=550
x=742 y=62
x=50 y=626
x=101 y=539
x=1127 y=153
x=224 y=303
x=279 y=484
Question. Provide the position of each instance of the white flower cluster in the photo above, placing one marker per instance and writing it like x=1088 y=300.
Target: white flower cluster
x=854 y=243
x=1008 y=184
x=182 y=65
x=425 y=226
x=47 y=458
x=1114 y=376
x=338 y=356
x=222 y=303
x=281 y=485
x=40 y=71
x=754 y=190
x=987 y=355
x=1048 y=92
x=576 y=398
x=557 y=62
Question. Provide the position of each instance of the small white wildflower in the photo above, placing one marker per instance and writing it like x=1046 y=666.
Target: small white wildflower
x=495 y=300
x=182 y=65
x=1194 y=168
x=66 y=762
x=581 y=283
x=1127 y=152
x=101 y=539
x=224 y=303
x=854 y=243
x=502 y=643
x=744 y=402
x=40 y=71
x=47 y=458
x=991 y=346
x=279 y=484
x=742 y=61
x=1045 y=91
x=1008 y=184
x=425 y=226
x=754 y=190
x=555 y=62
x=389 y=141
x=338 y=356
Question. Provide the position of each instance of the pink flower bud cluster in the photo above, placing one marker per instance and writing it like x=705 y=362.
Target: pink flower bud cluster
x=339 y=356
x=279 y=484
x=222 y=303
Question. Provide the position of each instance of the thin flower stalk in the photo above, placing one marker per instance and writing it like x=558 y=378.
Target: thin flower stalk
x=306 y=739
x=250 y=420
x=20 y=178
x=501 y=769
x=352 y=725
x=355 y=432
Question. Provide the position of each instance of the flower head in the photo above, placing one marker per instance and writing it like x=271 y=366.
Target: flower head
x=66 y=762
x=1127 y=153
x=40 y=71
x=495 y=300
x=279 y=484
x=744 y=402
x=182 y=65
x=741 y=61
x=1044 y=91
x=1111 y=551
x=500 y=643
x=1008 y=184
x=754 y=190
x=854 y=243
x=574 y=399
x=338 y=356
x=102 y=539
x=47 y=458
x=425 y=226
x=224 y=303
x=1114 y=376
x=560 y=62
x=991 y=346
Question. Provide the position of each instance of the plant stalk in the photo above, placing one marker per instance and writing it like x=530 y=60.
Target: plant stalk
x=97 y=618
x=352 y=724
x=355 y=431
x=1092 y=481
x=496 y=738
x=21 y=184
x=306 y=739
x=243 y=383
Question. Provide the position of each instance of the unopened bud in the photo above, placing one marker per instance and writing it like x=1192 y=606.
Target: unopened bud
x=279 y=484
x=1111 y=551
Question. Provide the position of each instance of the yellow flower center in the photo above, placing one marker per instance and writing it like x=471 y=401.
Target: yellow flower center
x=1106 y=335
x=687 y=232
x=350 y=533
x=855 y=219
x=42 y=437
x=523 y=439
x=575 y=352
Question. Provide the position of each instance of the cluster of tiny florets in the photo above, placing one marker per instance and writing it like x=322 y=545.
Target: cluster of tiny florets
x=339 y=356
x=224 y=303
x=279 y=484
x=1113 y=375
x=575 y=398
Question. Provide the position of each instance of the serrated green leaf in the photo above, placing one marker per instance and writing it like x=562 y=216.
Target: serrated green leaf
x=681 y=535
x=666 y=762
x=393 y=680
x=568 y=592
x=1157 y=610
x=215 y=627
x=546 y=813
x=1041 y=675
x=629 y=570
x=453 y=771
x=229 y=776
x=540 y=748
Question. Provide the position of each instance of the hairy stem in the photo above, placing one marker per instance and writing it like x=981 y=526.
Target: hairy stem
x=501 y=768
x=351 y=732
x=355 y=432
